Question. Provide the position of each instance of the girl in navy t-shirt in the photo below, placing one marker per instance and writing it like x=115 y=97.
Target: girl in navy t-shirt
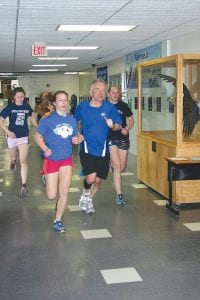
x=17 y=132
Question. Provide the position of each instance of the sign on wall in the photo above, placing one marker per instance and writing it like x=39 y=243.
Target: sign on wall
x=39 y=49
x=134 y=58
x=102 y=73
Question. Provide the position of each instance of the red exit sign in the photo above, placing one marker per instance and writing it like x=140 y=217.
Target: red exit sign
x=39 y=50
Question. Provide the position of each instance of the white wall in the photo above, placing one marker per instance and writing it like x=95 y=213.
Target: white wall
x=85 y=80
x=35 y=84
x=187 y=44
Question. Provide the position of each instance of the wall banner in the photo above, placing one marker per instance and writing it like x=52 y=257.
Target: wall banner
x=102 y=73
x=132 y=59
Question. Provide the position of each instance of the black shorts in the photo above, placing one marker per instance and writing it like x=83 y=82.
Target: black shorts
x=95 y=164
x=123 y=144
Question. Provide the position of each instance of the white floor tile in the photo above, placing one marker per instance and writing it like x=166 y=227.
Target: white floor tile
x=1 y=179
x=96 y=234
x=73 y=190
x=2 y=170
x=160 y=202
x=74 y=208
x=76 y=177
x=127 y=174
x=0 y=194
x=120 y=275
x=139 y=186
x=193 y=226
x=47 y=207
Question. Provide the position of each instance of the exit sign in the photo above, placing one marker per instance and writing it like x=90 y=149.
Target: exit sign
x=39 y=50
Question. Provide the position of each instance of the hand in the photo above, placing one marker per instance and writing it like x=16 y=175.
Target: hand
x=109 y=122
x=124 y=131
x=80 y=138
x=47 y=152
x=75 y=140
x=11 y=135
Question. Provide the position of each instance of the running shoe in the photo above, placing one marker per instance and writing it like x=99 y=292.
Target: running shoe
x=58 y=226
x=120 y=199
x=24 y=189
x=85 y=203
x=84 y=200
x=90 y=207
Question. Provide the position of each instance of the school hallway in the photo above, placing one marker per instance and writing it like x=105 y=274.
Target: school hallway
x=136 y=252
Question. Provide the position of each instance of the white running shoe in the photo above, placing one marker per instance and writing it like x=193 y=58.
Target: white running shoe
x=83 y=202
x=90 y=208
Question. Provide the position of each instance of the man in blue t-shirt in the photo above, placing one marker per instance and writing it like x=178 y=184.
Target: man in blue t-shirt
x=97 y=117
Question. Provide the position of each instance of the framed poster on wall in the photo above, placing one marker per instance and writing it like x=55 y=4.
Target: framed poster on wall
x=102 y=73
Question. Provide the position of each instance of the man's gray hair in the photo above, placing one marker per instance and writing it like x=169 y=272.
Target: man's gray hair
x=94 y=82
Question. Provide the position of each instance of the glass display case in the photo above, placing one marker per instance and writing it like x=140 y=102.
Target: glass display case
x=169 y=119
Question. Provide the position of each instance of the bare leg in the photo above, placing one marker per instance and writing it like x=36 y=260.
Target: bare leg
x=13 y=154
x=123 y=154
x=13 y=158
x=23 y=153
x=90 y=178
x=118 y=159
x=115 y=160
x=95 y=186
x=65 y=177
x=52 y=185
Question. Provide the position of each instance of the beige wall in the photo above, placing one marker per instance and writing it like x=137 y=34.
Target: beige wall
x=85 y=80
x=35 y=84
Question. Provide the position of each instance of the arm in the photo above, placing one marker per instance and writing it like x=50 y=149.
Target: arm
x=130 y=124
x=79 y=137
x=9 y=133
x=111 y=125
x=116 y=127
x=41 y=143
x=33 y=121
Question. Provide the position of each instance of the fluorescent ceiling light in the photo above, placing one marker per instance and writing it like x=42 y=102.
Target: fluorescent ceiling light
x=71 y=73
x=44 y=70
x=58 y=58
x=56 y=65
x=72 y=47
x=96 y=27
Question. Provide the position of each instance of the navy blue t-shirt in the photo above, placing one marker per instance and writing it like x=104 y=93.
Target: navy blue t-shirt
x=18 y=118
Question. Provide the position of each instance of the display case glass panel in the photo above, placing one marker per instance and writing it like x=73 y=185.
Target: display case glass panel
x=170 y=107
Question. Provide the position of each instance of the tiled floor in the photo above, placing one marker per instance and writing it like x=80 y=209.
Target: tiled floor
x=136 y=252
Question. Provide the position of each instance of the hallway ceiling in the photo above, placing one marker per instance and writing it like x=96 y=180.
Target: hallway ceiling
x=24 y=22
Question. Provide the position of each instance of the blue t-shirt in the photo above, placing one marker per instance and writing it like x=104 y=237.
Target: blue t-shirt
x=94 y=127
x=18 y=116
x=57 y=132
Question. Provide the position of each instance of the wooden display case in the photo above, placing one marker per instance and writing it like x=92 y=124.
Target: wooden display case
x=164 y=130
